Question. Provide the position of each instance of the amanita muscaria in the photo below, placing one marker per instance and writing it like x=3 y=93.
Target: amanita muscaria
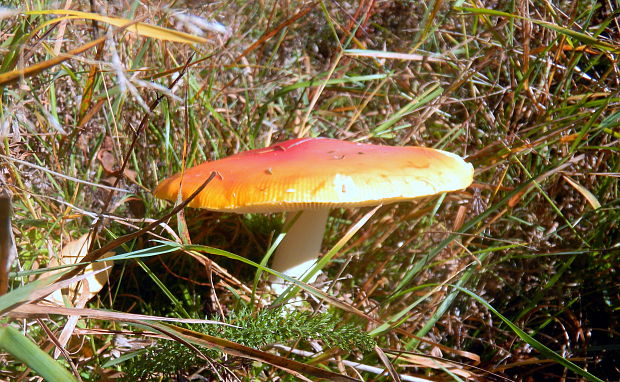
x=313 y=175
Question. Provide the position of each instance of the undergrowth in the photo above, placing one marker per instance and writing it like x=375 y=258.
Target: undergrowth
x=514 y=278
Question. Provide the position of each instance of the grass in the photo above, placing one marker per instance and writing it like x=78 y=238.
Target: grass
x=514 y=278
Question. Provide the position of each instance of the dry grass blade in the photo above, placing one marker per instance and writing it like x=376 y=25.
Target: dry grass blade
x=297 y=369
x=390 y=55
x=14 y=75
x=584 y=191
x=38 y=309
x=38 y=289
x=139 y=28
x=89 y=87
x=517 y=197
x=388 y=365
x=413 y=360
x=73 y=179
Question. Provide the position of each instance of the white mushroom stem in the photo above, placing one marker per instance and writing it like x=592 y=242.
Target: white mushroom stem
x=300 y=248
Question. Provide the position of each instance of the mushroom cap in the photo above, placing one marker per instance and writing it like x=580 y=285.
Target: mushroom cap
x=309 y=173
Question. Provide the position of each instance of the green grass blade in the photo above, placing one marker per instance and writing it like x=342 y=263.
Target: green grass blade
x=177 y=303
x=427 y=96
x=331 y=81
x=24 y=293
x=545 y=351
x=22 y=348
x=445 y=304
x=582 y=37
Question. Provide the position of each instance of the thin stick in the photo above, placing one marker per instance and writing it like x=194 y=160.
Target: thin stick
x=96 y=254
x=8 y=252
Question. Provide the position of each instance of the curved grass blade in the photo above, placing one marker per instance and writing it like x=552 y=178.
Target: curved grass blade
x=545 y=351
x=197 y=249
x=139 y=28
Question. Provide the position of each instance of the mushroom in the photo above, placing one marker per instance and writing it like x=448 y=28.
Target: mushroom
x=313 y=175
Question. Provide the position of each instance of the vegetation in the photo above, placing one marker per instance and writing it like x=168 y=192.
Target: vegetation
x=515 y=278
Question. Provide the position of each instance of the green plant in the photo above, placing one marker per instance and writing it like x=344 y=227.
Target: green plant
x=253 y=329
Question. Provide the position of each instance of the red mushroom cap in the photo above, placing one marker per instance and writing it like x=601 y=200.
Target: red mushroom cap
x=310 y=173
